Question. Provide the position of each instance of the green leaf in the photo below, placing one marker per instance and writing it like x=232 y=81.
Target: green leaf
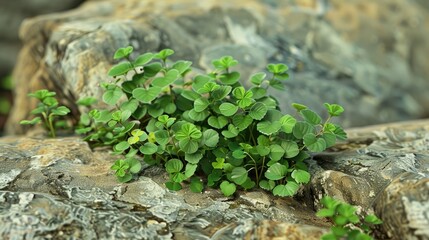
x=286 y=190
x=245 y=102
x=299 y=107
x=211 y=138
x=268 y=128
x=239 y=175
x=325 y=212
x=300 y=176
x=88 y=101
x=311 y=117
x=371 y=218
x=164 y=54
x=34 y=121
x=267 y=185
x=135 y=165
x=173 y=166
x=340 y=133
x=190 y=95
x=120 y=69
x=231 y=132
x=122 y=146
x=313 y=143
x=221 y=92
x=277 y=84
x=111 y=96
x=173 y=186
x=196 y=185
x=334 y=109
x=188 y=131
x=162 y=137
x=199 y=82
x=148 y=148
x=219 y=163
x=152 y=69
x=198 y=116
x=242 y=121
x=130 y=105
x=227 y=188
x=182 y=66
x=146 y=95
x=193 y=158
x=217 y=122
x=143 y=59
x=330 y=139
x=277 y=171
x=155 y=110
x=258 y=111
x=42 y=94
x=287 y=122
x=291 y=149
x=248 y=184
x=239 y=92
x=262 y=150
x=126 y=178
x=257 y=78
x=201 y=104
x=302 y=128
x=188 y=145
x=228 y=109
x=258 y=92
x=123 y=52
x=238 y=154
x=224 y=63
x=230 y=78
x=276 y=152
x=170 y=77
x=277 y=68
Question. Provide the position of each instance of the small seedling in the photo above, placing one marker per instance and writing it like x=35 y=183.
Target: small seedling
x=347 y=224
x=48 y=110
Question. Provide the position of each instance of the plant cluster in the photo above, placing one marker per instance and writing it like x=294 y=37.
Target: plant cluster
x=47 y=111
x=208 y=125
x=347 y=224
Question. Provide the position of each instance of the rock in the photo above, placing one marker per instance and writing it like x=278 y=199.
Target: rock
x=326 y=46
x=382 y=167
x=69 y=191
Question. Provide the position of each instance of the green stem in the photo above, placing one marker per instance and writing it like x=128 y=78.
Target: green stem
x=262 y=168
x=51 y=125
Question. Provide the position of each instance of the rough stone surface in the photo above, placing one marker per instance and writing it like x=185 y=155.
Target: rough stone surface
x=370 y=56
x=60 y=188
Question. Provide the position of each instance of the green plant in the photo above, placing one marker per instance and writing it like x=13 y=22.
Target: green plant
x=208 y=129
x=347 y=224
x=48 y=110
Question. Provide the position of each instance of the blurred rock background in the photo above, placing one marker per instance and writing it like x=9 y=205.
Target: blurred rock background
x=12 y=13
x=370 y=56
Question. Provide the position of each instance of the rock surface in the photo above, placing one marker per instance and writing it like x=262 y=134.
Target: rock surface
x=60 y=188
x=370 y=56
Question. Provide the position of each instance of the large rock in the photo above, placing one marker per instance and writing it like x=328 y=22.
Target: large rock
x=369 y=56
x=60 y=188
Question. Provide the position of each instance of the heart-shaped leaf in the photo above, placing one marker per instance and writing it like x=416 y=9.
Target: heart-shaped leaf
x=277 y=171
x=211 y=138
x=123 y=52
x=148 y=148
x=227 y=188
x=302 y=128
x=228 y=109
x=334 y=109
x=291 y=149
x=143 y=59
x=230 y=78
x=287 y=122
x=276 y=152
x=221 y=92
x=146 y=95
x=239 y=175
x=242 y=121
x=111 y=96
x=217 y=122
x=268 y=128
x=201 y=104
x=258 y=111
x=286 y=190
x=313 y=143
x=173 y=166
x=300 y=176
x=257 y=78
x=193 y=158
x=311 y=117
x=267 y=185
x=169 y=78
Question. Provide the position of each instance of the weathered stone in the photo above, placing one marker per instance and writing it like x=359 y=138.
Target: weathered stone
x=362 y=53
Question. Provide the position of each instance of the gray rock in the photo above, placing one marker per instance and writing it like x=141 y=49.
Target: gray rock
x=329 y=51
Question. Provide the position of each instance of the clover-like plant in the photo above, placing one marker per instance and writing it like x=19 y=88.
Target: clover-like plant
x=208 y=130
x=47 y=111
x=347 y=224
